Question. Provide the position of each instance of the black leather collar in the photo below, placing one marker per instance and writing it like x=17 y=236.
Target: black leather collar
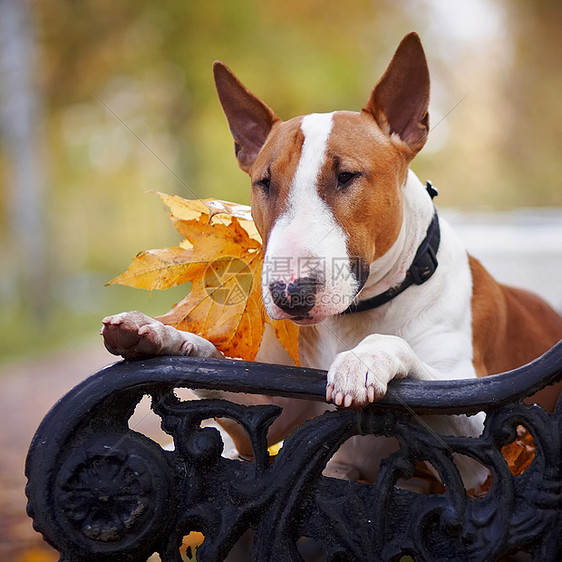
x=422 y=268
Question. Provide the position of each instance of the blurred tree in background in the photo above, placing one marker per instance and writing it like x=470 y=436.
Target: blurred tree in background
x=127 y=105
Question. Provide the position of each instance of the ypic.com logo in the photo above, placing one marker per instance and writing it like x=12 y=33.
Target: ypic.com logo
x=228 y=281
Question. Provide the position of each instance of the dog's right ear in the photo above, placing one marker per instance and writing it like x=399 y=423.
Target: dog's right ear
x=250 y=120
x=399 y=102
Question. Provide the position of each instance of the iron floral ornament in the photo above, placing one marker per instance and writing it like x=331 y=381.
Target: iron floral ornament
x=107 y=490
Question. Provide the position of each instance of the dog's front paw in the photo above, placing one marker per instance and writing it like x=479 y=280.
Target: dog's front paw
x=133 y=334
x=360 y=376
x=355 y=379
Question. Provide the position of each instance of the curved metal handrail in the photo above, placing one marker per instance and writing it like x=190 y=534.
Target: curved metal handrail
x=460 y=396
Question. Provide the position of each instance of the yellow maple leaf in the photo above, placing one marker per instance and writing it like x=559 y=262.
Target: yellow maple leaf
x=222 y=257
x=224 y=306
x=184 y=211
x=160 y=269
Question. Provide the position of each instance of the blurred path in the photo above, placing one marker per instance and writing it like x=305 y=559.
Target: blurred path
x=27 y=391
x=521 y=248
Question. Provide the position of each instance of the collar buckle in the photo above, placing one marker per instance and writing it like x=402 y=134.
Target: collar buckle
x=424 y=265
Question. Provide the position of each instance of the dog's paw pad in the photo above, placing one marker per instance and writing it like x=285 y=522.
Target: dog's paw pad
x=129 y=334
x=152 y=338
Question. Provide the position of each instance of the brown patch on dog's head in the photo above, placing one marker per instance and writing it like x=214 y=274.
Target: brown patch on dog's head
x=376 y=148
x=272 y=173
x=369 y=206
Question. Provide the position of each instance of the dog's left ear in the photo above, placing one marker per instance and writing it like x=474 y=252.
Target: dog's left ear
x=399 y=102
x=250 y=119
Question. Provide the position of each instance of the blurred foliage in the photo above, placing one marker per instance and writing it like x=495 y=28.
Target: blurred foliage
x=130 y=107
x=532 y=142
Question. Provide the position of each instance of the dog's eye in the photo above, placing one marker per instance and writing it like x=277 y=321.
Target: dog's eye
x=345 y=178
x=265 y=184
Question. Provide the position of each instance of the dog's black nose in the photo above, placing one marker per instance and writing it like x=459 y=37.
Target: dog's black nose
x=298 y=297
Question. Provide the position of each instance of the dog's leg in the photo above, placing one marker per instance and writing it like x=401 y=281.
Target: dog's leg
x=361 y=375
x=133 y=335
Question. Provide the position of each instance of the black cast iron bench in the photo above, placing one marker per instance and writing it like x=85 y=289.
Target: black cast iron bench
x=99 y=491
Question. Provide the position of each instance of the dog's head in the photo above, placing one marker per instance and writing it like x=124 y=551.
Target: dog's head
x=326 y=188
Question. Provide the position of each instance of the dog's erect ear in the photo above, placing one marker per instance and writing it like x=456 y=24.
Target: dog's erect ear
x=399 y=102
x=249 y=119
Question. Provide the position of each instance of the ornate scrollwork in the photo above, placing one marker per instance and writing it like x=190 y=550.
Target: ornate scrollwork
x=98 y=491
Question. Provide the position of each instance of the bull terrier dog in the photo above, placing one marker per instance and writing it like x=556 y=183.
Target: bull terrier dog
x=397 y=294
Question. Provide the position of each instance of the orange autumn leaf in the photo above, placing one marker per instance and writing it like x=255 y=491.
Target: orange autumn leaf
x=288 y=334
x=518 y=454
x=38 y=554
x=221 y=255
